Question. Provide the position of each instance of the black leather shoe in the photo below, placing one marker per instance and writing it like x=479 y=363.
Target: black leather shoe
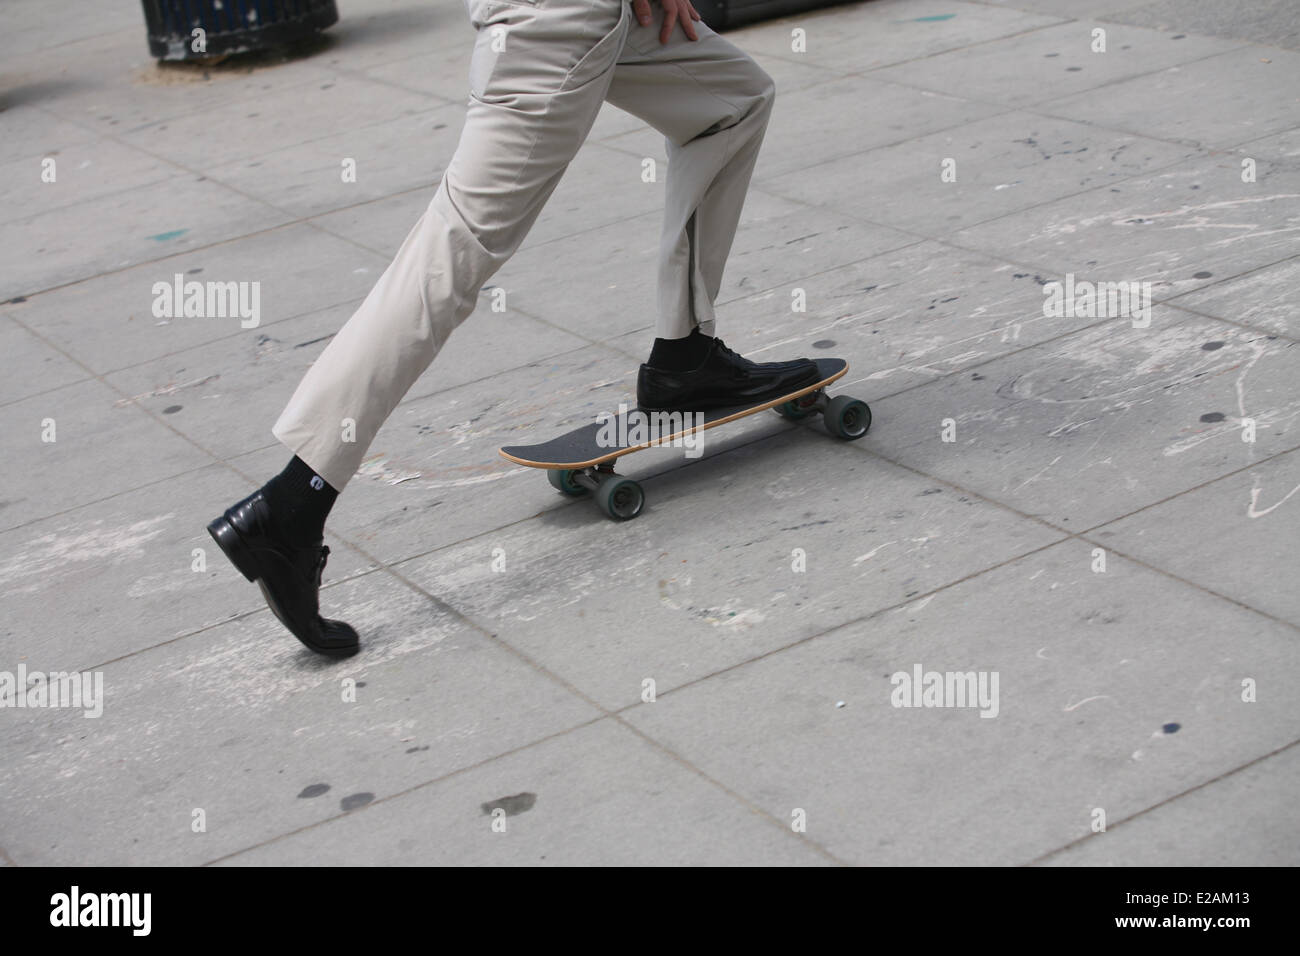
x=723 y=380
x=288 y=575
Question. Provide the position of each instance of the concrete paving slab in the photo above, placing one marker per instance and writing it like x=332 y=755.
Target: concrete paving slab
x=34 y=26
x=1263 y=98
x=596 y=796
x=276 y=120
x=108 y=322
x=147 y=223
x=1248 y=818
x=1053 y=62
x=610 y=605
x=1103 y=422
x=138 y=546
x=81 y=173
x=308 y=179
x=246 y=725
x=847 y=116
x=959 y=177
x=1262 y=299
x=1088 y=682
x=30 y=131
x=1177 y=228
x=442 y=73
x=1234 y=536
x=33 y=366
x=69 y=447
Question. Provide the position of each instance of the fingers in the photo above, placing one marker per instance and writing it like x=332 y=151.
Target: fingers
x=642 y=10
x=678 y=11
x=688 y=27
x=670 y=18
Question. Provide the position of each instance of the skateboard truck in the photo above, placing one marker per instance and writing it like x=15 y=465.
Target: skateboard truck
x=619 y=497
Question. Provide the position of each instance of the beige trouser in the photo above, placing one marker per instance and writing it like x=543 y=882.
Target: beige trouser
x=538 y=76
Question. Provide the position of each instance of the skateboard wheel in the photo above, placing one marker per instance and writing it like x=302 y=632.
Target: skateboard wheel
x=846 y=417
x=795 y=409
x=620 y=498
x=561 y=480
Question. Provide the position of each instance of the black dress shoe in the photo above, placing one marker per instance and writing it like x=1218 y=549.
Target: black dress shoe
x=723 y=380
x=288 y=575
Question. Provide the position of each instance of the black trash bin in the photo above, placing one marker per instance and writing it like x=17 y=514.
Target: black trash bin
x=724 y=14
x=231 y=26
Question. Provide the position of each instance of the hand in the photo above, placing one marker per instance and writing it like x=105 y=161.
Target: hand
x=674 y=11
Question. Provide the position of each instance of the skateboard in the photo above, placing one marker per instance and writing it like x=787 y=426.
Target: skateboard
x=580 y=462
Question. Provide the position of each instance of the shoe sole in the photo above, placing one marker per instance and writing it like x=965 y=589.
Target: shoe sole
x=232 y=546
x=711 y=406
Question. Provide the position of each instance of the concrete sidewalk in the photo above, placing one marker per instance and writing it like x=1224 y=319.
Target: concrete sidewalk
x=1099 y=513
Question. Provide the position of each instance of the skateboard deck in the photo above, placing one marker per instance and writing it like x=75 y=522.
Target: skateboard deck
x=580 y=461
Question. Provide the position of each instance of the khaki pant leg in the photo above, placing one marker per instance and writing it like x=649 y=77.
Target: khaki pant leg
x=538 y=76
x=712 y=103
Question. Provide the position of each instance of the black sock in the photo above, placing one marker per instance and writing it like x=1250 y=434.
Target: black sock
x=680 y=355
x=301 y=501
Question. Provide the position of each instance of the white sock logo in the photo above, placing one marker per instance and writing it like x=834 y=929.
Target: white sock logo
x=317 y=482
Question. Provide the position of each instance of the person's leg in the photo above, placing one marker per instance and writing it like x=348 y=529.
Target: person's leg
x=538 y=76
x=531 y=107
x=712 y=103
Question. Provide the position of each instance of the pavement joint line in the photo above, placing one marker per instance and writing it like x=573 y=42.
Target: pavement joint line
x=1167 y=800
x=387 y=798
x=78 y=202
x=735 y=795
x=851 y=622
x=79 y=120
x=866 y=74
x=1244 y=326
x=1179 y=494
x=1259 y=139
x=238 y=616
x=265 y=230
x=99 y=501
x=176 y=352
x=1190 y=314
x=92 y=38
x=1210 y=151
x=764 y=183
x=1192 y=584
x=1218 y=281
x=957 y=49
x=946 y=239
x=1081 y=535
x=1155 y=300
x=361 y=129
